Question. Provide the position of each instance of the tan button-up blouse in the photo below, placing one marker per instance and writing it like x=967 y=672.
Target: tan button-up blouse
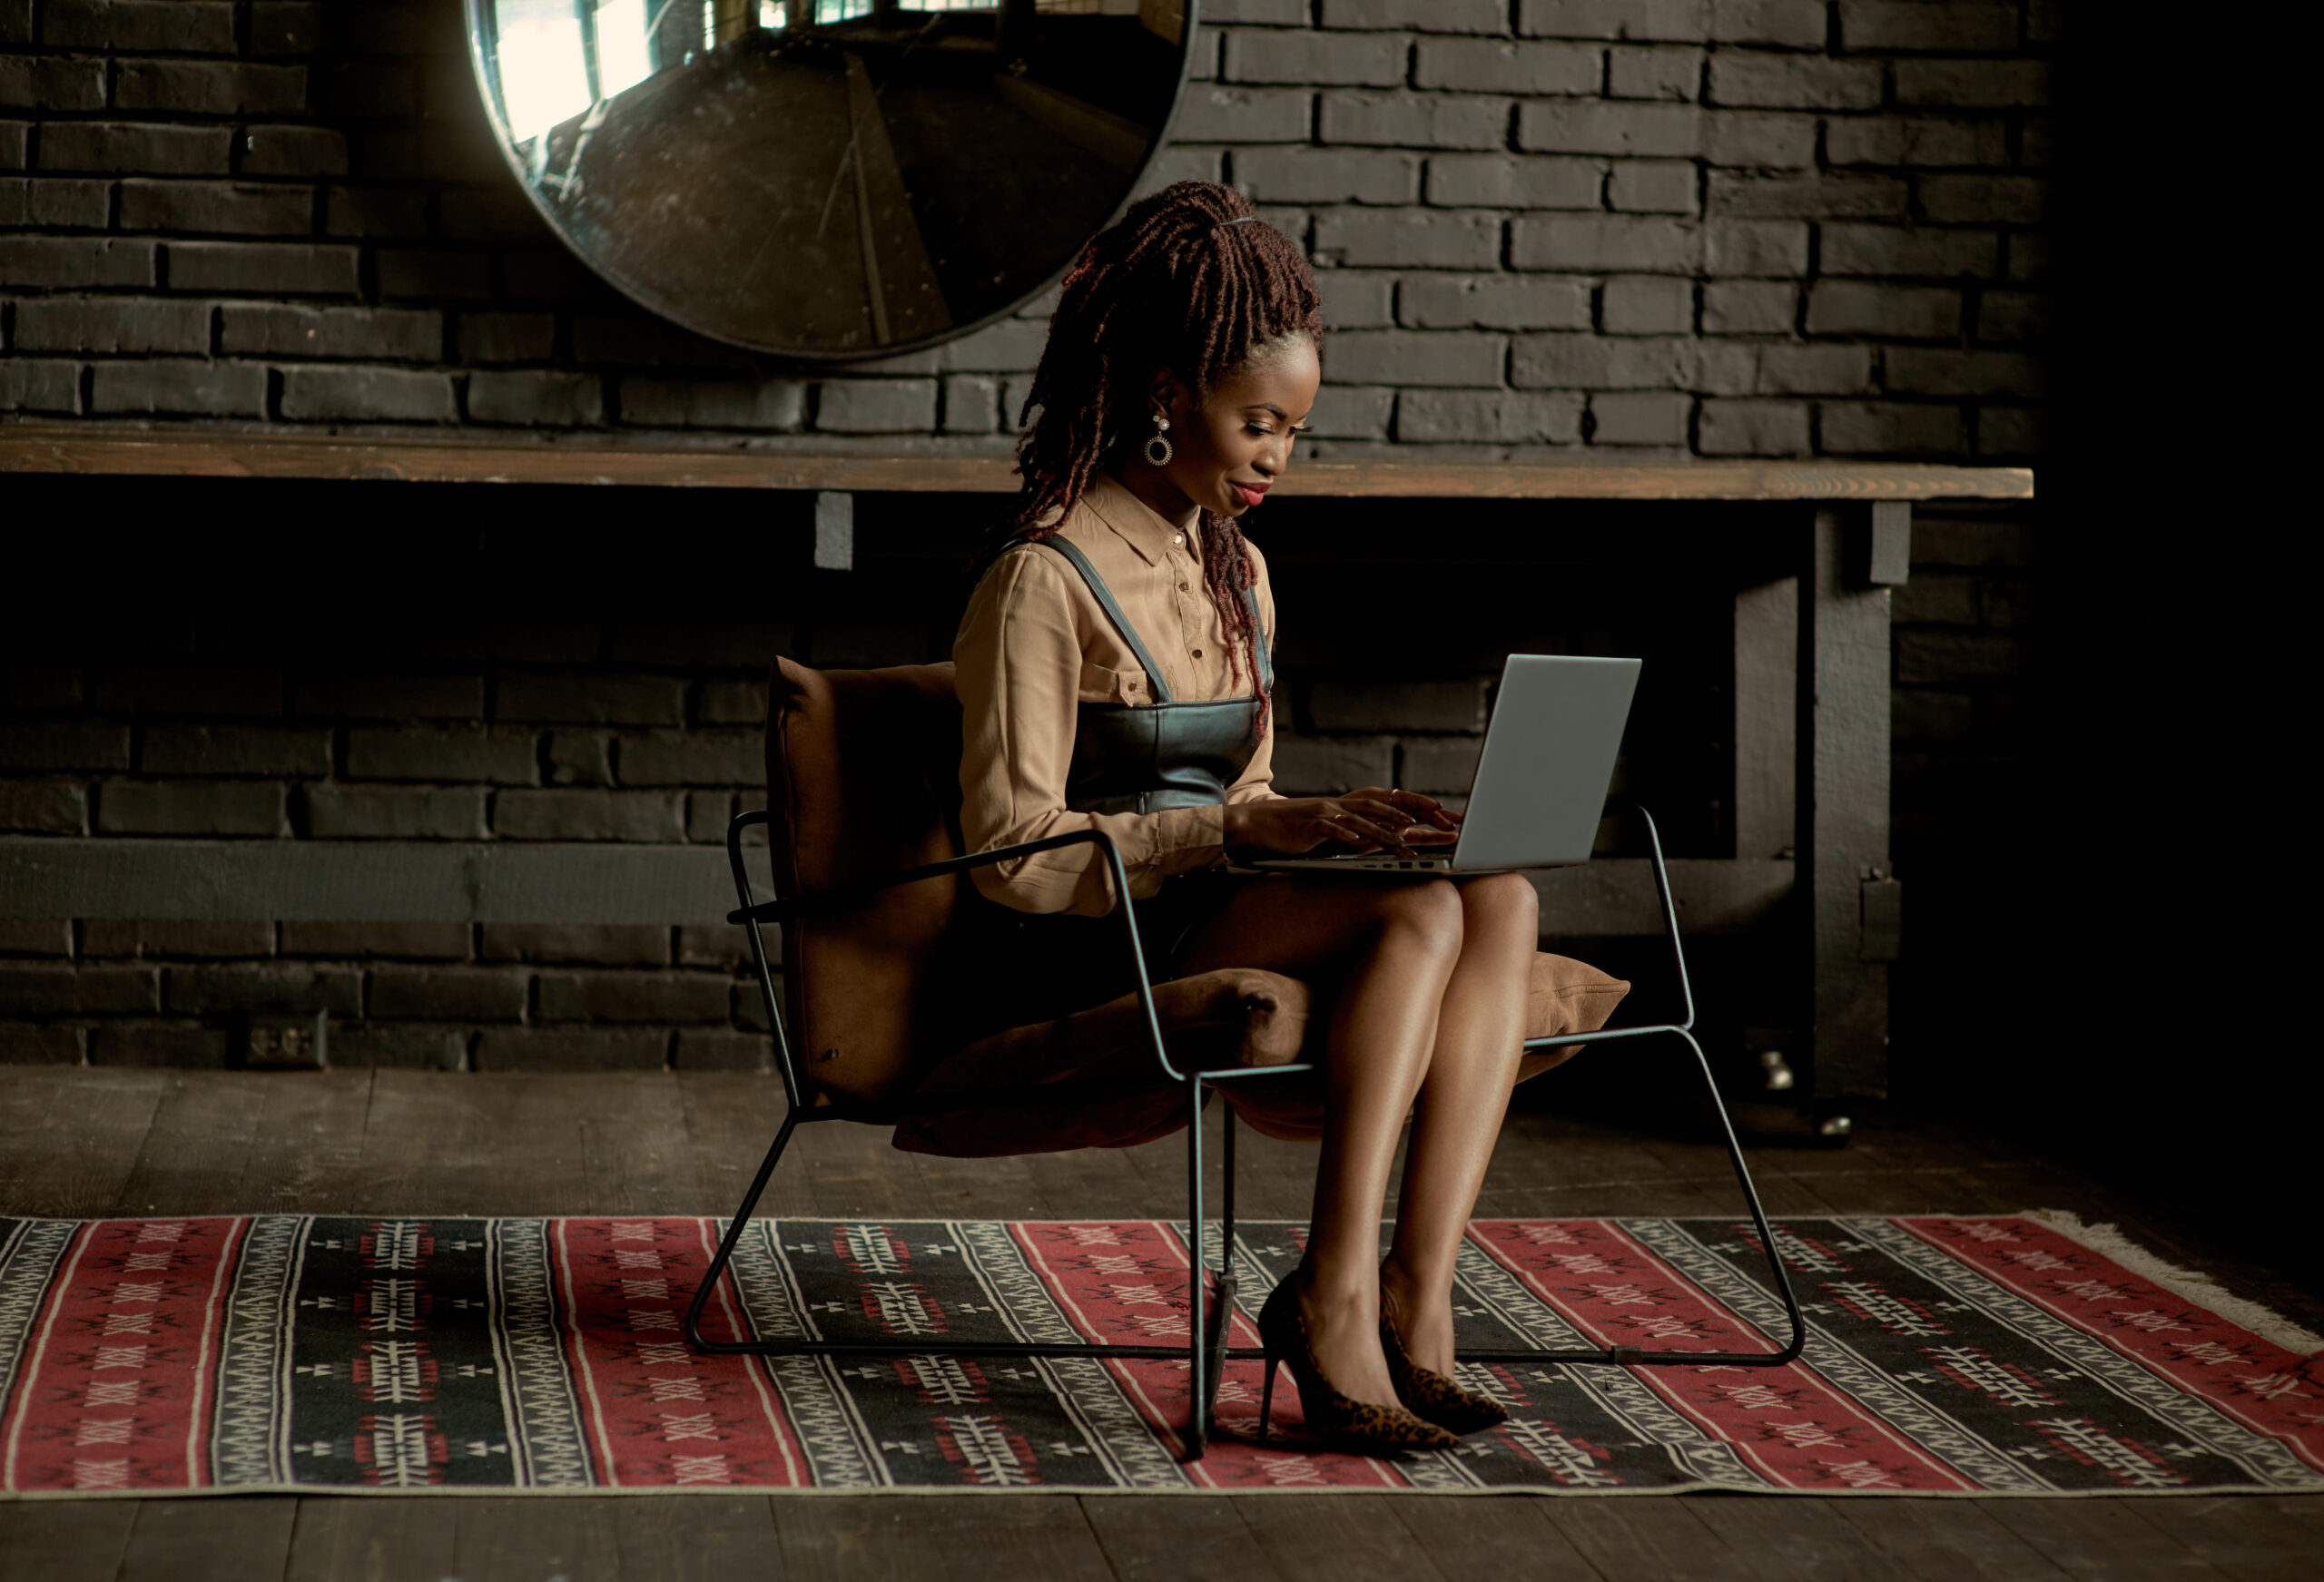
x=1035 y=644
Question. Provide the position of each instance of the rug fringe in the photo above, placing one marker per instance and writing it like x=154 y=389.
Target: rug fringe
x=2194 y=1286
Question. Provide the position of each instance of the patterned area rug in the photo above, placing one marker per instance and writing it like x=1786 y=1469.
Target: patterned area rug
x=1949 y=1356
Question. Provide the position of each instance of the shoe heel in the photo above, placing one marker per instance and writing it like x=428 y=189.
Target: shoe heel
x=1266 y=1397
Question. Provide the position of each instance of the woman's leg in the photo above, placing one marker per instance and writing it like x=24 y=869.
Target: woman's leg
x=1397 y=946
x=1463 y=1101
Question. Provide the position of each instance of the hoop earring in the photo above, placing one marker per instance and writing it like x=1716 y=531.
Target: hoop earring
x=1157 y=449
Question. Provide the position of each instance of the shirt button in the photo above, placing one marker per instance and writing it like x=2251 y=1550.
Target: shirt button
x=1178 y=539
x=1182 y=587
x=1197 y=654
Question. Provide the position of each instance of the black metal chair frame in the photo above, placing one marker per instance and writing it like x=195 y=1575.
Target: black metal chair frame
x=1212 y=1291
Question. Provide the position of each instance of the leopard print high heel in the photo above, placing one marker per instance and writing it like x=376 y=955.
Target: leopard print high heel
x=1431 y=1395
x=1347 y=1425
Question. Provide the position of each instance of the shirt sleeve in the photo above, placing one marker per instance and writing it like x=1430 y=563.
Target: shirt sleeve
x=1256 y=783
x=1018 y=667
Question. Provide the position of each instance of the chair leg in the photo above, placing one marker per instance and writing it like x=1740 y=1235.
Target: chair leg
x=734 y=1228
x=1777 y=1273
x=1198 y=1327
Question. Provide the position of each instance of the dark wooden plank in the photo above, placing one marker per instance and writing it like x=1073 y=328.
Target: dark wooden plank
x=1492 y=1537
x=305 y=1153
x=64 y=1540
x=198 y=1144
x=94 y=450
x=515 y=1539
x=2103 y=1540
x=1797 y=1539
x=1662 y=1538
x=353 y=1539
x=73 y=1137
x=966 y=1537
x=731 y=1120
x=704 y=1537
x=489 y=1142
x=1172 y=1537
x=1942 y=1538
x=634 y=1149
x=858 y=1537
x=232 y=1539
x=1341 y=1537
x=2258 y=1537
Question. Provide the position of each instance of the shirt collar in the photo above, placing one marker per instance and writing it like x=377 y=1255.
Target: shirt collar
x=1134 y=522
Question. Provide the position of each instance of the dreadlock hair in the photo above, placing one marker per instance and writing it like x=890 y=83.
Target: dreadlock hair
x=1189 y=279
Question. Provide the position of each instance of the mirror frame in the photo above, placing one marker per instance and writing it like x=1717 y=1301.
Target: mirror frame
x=483 y=74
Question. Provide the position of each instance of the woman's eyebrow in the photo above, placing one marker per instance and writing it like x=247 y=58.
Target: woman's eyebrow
x=1265 y=407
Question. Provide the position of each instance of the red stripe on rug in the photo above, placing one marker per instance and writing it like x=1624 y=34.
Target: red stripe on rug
x=115 y=1393
x=661 y=1415
x=2260 y=1384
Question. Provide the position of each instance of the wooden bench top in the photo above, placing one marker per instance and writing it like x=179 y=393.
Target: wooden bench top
x=97 y=451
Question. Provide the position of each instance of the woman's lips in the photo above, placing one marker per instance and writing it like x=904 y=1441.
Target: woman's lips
x=1246 y=493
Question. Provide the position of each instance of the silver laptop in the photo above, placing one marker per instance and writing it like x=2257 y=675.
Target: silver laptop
x=1542 y=776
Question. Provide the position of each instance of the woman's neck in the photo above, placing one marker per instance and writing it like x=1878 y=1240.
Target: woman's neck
x=1157 y=493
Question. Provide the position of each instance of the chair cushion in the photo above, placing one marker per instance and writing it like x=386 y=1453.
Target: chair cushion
x=863 y=780
x=1234 y=1016
x=989 y=1101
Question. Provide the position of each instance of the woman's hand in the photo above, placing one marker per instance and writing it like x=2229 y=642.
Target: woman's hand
x=1419 y=811
x=1366 y=820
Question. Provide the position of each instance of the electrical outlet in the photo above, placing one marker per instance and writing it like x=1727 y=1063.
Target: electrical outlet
x=283 y=1041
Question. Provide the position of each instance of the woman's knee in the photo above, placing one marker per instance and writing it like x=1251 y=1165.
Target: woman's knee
x=1431 y=913
x=1501 y=904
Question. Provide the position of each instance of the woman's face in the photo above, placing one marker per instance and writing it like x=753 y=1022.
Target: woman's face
x=1228 y=451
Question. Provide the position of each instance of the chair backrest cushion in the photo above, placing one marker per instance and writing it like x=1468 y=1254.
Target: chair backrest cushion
x=863 y=780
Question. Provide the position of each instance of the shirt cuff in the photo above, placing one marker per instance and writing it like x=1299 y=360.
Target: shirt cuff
x=1185 y=839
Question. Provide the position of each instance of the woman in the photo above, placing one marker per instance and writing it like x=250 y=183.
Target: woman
x=1181 y=364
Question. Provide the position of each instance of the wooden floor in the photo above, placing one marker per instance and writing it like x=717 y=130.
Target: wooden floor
x=87 y=1143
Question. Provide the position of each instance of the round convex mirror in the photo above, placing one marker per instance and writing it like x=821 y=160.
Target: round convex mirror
x=829 y=179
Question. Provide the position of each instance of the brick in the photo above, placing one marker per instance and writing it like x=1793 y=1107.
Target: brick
x=1936 y=599
x=1755 y=247
x=580 y=758
x=1492 y=303
x=280 y=28
x=35 y=1044
x=1971 y=542
x=263 y=267
x=400 y=1049
x=1328 y=765
x=1269 y=13
x=371 y=941
x=371 y=91
x=39 y=686
x=378 y=812
x=1012 y=346
x=732 y=702
x=134 y=147
x=185 y=938
x=37 y=387
x=1801 y=370
x=535 y=275
x=1653 y=73
x=190 y=808
x=235 y=750
x=1408 y=357
x=35 y=936
x=2005 y=316
x=1324 y=175
x=1595 y=126
x=1338 y=704
x=367 y=394
x=2030 y=258
x=1924 y=371
x=433 y=273
x=293 y=150
x=284 y=985
x=173 y=1044
x=1925 y=657
x=1214 y=112
x=648 y=343
x=1420 y=16
x=1654 y=187
x=1761 y=140
x=1439 y=239
x=1987 y=84
x=590 y=815
x=180 y=385
x=632 y=996
x=1505 y=180
x=1916 y=140
x=1882 y=24
x=45 y=990
x=723 y=643
x=43 y=807
x=572 y=1049
x=1505 y=416
x=464 y=215
x=53 y=83
x=1916 y=715
x=190 y=26
x=378 y=697
x=1890 y=427
x=1358 y=299
x=1352 y=412
x=209 y=87
x=606 y=946
x=1646 y=417
x=1794 y=82
x=1593 y=362
x=496 y=755
x=52 y=261
x=1684 y=21
x=537 y=397
x=1594 y=243
x=267 y=330
x=725 y=946
x=1439 y=765
x=1782 y=194
x=1795 y=23
x=692 y=758
x=1313 y=57
x=1648 y=305
x=1898 y=249
x=496 y=338
x=55 y=202
x=375 y=211
x=449 y=994
x=1749 y=308
x=717 y=403
x=1493 y=66
x=711 y=1049
x=1752 y=428
x=184 y=688
x=613 y=699
x=111 y=324
x=1862 y=308
x=707 y=815
x=1980 y=199
x=1412 y=120
x=2011 y=431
